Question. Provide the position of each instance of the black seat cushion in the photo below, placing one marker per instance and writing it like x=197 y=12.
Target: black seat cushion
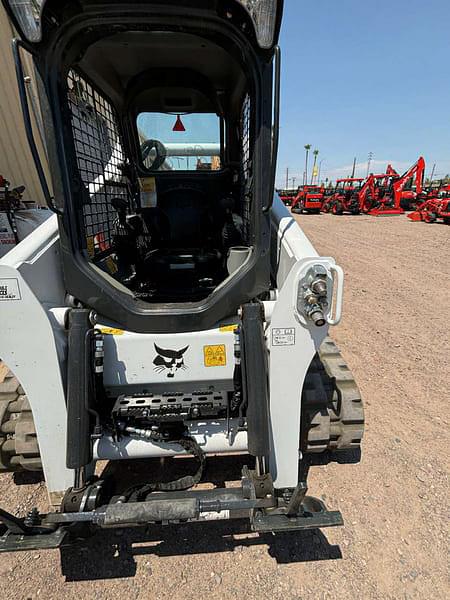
x=187 y=212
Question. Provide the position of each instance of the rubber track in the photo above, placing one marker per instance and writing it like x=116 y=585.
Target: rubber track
x=332 y=408
x=19 y=450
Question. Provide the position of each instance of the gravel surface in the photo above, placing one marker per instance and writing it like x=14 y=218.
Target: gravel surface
x=394 y=544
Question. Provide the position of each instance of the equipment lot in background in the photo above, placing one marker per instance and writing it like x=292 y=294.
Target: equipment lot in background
x=395 y=337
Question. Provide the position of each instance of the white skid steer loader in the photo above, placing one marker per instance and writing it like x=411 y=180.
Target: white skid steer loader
x=171 y=306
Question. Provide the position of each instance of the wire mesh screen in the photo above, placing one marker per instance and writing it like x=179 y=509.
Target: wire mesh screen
x=246 y=166
x=99 y=153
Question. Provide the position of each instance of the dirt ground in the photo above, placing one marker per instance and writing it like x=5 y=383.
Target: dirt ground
x=395 y=502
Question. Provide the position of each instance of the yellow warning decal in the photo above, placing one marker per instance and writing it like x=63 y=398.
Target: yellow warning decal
x=111 y=331
x=226 y=328
x=147 y=184
x=215 y=356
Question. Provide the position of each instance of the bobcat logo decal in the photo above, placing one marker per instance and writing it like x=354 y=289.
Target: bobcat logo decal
x=169 y=360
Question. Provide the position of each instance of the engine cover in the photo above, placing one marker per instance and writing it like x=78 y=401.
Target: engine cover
x=145 y=364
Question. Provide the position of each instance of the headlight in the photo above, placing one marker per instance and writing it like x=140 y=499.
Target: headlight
x=28 y=15
x=264 y=15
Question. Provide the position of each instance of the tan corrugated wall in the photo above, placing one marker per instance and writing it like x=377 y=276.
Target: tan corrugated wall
x=16 y=163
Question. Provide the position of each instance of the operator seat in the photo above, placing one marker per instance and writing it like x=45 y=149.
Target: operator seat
x=185 y=240
x=189 y=218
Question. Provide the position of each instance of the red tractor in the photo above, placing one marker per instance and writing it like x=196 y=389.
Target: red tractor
x=357 y=197
x=373 y=194
x=397 y=193
x=345 y=197
x=436 y=206
x=287 y=196
x=309 y=199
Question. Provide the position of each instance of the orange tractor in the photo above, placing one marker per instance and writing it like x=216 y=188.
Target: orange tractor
x=345 y=197
x=393 y=193
x=436 y=206
x=309 y=199
x=355 y=197
x=373 y=197
x=287 y=196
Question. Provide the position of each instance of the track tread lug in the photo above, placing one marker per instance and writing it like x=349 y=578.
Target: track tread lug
x=332 y=406
x=19 y=449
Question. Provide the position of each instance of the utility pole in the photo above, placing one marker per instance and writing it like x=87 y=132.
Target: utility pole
x=307 y=148
x=369 y=160
x=320 y=169
x=313 y=174
x=293 y=182
x=287 y=177
x=432 y=173
x=354 y=167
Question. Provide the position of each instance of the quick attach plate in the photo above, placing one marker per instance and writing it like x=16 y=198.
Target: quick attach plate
x=171 y=406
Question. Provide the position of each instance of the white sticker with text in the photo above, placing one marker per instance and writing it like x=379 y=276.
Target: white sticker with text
x=9 y=290
x=283 y=337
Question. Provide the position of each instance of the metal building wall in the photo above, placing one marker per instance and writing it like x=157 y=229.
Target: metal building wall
x=16 y=163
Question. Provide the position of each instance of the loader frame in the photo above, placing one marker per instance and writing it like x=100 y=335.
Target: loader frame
x=293 y=342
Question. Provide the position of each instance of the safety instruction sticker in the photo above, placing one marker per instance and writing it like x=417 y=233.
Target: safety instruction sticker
x=283 y=336
x=215 y=356
x=147 y=184
x=149 y=197
x=9 y=289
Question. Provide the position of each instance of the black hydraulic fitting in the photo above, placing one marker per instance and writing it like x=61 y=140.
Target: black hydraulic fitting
x=317 y=317
x=319 y=287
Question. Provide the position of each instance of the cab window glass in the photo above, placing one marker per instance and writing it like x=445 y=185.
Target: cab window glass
x=189 y=142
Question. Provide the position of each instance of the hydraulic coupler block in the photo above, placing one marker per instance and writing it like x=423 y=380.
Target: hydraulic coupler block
x=313 y=294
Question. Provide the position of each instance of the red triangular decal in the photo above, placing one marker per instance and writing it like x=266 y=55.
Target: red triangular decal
x=178 y=125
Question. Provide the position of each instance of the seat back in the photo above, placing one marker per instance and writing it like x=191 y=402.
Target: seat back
x=189 y=221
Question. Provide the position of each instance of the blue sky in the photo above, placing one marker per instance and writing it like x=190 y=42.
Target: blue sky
x=362 y=77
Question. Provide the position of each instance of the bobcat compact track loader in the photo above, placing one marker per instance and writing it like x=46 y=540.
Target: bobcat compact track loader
x=172 y=305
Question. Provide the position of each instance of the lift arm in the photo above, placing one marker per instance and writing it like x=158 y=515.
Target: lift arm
x=369 y=185
x=391 y=172
x=417 y=171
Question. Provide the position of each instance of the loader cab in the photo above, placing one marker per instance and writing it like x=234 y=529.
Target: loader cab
x=384 y=190
x=159 y=129
x=348 y=187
